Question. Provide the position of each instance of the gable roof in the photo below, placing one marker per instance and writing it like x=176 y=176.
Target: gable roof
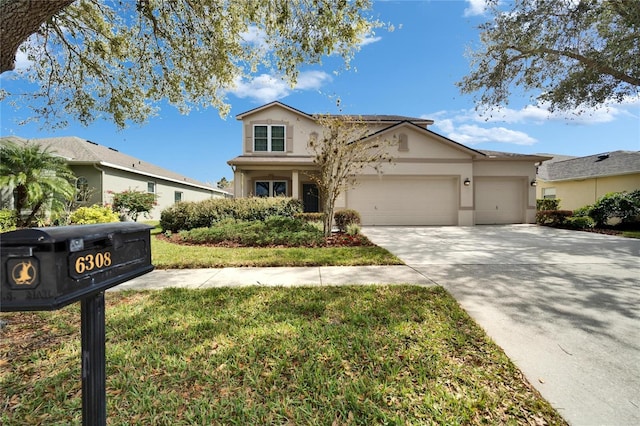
x=598 y=165
x=369 y=118
x=78 y=151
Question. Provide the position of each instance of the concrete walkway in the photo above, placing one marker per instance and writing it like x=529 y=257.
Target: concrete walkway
x=564 y=306
x=298 y=276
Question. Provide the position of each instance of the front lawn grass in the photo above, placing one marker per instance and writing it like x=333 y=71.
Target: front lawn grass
x=364 y=355
x=167 y=255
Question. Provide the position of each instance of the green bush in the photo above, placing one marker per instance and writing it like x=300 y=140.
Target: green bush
x=547 y=204
x=582 y=211
x=579 y=222
x=346 y=217
x=133 y=203
x=552 y=217
x=93 y=214
x=353 y=229
x=7 y=220
x=310 y=217
x=622 y=205
x=203 y=214
x=273 y=231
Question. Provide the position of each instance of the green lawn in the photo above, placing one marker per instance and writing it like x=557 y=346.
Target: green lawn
x=258 y=356
x=166 y=255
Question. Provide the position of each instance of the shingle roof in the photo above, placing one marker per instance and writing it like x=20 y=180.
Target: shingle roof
x=80 y=151
x=598 y=165
x=500 y=155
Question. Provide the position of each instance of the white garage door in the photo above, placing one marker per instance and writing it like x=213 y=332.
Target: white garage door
x=394 y=200
x=499 y=200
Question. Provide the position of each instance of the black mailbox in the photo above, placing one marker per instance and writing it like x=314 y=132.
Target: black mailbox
x=48 y=268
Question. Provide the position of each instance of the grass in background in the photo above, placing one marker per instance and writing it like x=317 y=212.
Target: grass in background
x=326 y=356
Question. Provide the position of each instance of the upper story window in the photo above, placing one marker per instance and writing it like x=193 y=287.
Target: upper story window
x=268 y=138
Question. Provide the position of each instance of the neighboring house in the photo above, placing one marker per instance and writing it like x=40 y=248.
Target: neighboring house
x=580 y=181
x=102 y=171
x=433 y=180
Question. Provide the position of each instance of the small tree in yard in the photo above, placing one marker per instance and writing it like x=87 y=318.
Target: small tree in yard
x=343 y=150
x=133 y=203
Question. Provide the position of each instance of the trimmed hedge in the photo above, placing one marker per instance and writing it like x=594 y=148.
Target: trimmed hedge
x=273 y=231
x=553 y=217
x=547 y=204
x=346 y=217
x=93 y=214
x=203 y=214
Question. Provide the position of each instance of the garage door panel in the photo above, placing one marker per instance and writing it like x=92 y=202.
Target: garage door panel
x=405 y=201
x=499 y=201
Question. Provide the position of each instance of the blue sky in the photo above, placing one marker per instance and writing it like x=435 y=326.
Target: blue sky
x=410 y=71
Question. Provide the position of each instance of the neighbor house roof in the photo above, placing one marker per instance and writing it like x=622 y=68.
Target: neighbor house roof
x=78 y=151
x=599 y=165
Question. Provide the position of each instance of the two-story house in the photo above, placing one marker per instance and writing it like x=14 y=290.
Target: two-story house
x=432 y=180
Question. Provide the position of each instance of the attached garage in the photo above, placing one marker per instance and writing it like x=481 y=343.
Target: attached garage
x=406 y=200
x=500 y=200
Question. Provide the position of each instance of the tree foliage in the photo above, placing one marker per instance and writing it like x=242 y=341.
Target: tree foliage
x=133 y=203
x=118 y=59
x=38 y=179
x=342 y=152
x=570 y=54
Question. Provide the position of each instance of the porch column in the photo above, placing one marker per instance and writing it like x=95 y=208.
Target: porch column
x=295 y=184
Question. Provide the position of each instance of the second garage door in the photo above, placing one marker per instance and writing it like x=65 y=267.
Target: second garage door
x=499 y=200
x=395 y=200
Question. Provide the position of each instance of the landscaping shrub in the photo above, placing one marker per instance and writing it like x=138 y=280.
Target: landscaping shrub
x=93 y=214
x=346 y=217
x=583 y=211
x=133 y=203
x=310 y=217
x=274 y=230
x=547 y=204
x=622 y=205
x=353 y=229
x=552 y=217
x=203 y=214
x=579 y=222
x=7 y=220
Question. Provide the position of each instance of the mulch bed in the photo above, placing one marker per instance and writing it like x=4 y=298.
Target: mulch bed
x=337 y=239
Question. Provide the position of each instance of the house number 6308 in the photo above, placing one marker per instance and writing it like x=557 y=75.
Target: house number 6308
x=90 y=262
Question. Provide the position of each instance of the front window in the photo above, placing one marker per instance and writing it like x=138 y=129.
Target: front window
x=549 y=193
x=268 y=138
x=271 y=188
x=177 y=196
x=151 y=187
x=82 y=189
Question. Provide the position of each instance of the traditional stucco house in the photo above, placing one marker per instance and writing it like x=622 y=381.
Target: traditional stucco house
x=102 y=171
x=580 y=181
x=433 y=180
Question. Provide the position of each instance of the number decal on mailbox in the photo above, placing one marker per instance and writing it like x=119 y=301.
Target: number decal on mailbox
x=91 y=262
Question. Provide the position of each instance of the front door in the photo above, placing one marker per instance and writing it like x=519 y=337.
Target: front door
x=310 y=199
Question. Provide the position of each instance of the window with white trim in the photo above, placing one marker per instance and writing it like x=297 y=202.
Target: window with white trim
x=177 y=196
x=271 y=188
x=268 y=138
x=549 y=193
x=151 y=187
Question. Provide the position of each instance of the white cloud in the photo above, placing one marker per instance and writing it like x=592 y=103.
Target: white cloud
x=369 y=40
x=471 y=134
x=476 y=7
x=267 y=88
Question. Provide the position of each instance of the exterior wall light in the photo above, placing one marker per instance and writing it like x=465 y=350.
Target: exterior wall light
x=534 y=183
x=467 y=182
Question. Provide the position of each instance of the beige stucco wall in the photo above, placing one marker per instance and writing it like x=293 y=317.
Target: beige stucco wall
x=574 y=194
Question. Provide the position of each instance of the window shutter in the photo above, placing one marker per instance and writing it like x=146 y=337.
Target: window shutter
x=248 y=138
x=289 y=136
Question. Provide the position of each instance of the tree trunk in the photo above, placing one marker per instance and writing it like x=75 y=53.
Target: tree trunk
x=18 y=20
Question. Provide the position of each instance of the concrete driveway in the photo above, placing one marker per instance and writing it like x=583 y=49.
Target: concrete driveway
x=564 y=306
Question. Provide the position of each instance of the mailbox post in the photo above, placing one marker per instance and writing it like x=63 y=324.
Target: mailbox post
x=49 y=268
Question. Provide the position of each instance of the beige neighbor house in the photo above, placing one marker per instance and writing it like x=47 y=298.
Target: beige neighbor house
x=580 y=181
x=102 y=171
x=432 y=180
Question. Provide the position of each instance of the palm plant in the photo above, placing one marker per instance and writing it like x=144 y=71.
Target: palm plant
x=38 y=179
